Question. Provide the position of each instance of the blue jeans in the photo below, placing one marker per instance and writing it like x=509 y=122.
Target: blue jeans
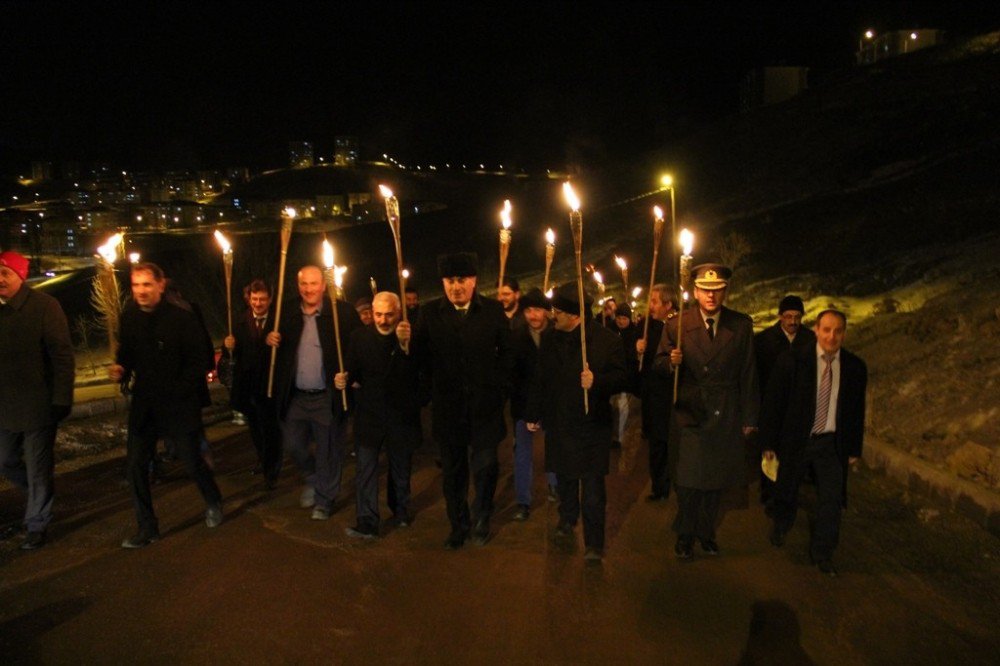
x=27 y=461
x=524 y=468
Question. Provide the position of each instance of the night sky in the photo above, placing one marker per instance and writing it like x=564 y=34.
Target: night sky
x=179 y=84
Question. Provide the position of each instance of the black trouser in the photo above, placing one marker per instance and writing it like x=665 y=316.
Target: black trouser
x=266 y=435
x=141 y=448
x=659 y=475
x=820 y=456
x=398 y=483
x=456 y=459
x=593 y=509
x=697 y=513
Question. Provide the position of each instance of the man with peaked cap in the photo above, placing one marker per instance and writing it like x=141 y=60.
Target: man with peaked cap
x=577 y=442
x=717 y=406
x=463 y=342
x=364 y=307
x=525 y=341
x=786 y=334
x=36 y=391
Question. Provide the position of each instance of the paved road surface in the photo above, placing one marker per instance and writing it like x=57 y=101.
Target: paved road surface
x=272 y=586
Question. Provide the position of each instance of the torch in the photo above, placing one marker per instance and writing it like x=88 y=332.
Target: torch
x=105 y=297
x=227 y=264
x=392 y=214
x=667 y=181
x=599 y=279
x=624 y=269
x=374 y=286
x=287 y=217
x=334 y=279
x=504 y=239
x=576 y=226
x=687 y=243
x=550 y=253
x=658 y=224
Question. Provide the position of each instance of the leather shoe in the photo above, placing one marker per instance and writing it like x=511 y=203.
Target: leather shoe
x=683 y=549
x=401 y=519
x=481 y=532
x=33 y=541
x=308 y=497
x=710 y=547
x=564 y=530
x=777 y=537
x=320 y=513
x=213 y=516
x=455 y=540
x=366 y=532
x=826 y=567
x=522 y=513
x=656 y=497
x=141 y=540
x=593 y=555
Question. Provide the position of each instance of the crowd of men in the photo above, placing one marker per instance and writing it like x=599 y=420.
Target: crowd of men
x=709 y=388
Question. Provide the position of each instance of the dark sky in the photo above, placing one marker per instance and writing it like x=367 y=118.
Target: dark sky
x=212 y=83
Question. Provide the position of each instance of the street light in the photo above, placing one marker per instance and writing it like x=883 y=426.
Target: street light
x=667 y=183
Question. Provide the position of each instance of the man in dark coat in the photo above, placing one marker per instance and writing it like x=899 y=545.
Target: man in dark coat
x=463 y=342
x=161 y=346
x=309 y=408
x=577 y=442
x=525 y=341
x=509 y=296
x=813 y=418
x=248 y=395
x=717 y=406
x=386 y=412
x=36 y=391
x=629 y=334
x=787 y=333
x=656 y=391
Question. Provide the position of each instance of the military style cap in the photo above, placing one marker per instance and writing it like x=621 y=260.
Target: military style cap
x=711 y=276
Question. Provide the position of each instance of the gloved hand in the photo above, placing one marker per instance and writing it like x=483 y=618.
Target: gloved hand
x=59 y=412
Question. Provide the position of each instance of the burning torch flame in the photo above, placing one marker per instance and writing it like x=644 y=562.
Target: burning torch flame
x=550 y=293
x=328 y=254
x=687 y=241
x=621 y=263
x=636 y=292
x=223 y=242
x=571 y=197
x=109 y=251
x=386 y=192
x=338 y=275
x=657 y=212
x=133 y=258
x=505 y=214
x=406 y=274
x=290 y=212
x=598 y=278
x=550 y=237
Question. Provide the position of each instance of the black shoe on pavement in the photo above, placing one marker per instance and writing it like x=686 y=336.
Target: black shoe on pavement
x=456 y=539
x=141 y=540
x=401 y=519
x=594 y=555
x=777 y=537
x=33 y=541
x=683 y=549
x=656 y=497
x=359 y=531
x=553 y=495
x=826 y=568
x=564 y=530
x=522 y=513
x=710 y=547
x=481 y=532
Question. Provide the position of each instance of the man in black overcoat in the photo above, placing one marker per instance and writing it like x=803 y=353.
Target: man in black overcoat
x=656 y=391
x=162 y=348
x=577 y=442
x=386 y=413
x=813 y=419
x=787 y=333
x=309 y=408
x=463 y=342
x=248 y=395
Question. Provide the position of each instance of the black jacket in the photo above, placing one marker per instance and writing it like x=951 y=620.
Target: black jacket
x=469 y=361
x=576 y=444
x=165 y=352
x=525 y=359
x=291 y=326
x=387 y=402
x=770 y=342
x=656 y=389
x=252 y=359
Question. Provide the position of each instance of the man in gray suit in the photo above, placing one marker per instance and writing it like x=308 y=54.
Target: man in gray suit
x=717 y=405
x=36 y=392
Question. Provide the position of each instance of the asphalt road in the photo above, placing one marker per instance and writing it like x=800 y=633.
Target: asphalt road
x=272 y=586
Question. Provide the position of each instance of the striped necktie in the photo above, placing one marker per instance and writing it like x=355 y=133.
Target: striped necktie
x=823 y=397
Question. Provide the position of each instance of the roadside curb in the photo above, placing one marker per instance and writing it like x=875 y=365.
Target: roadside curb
x=964 y=497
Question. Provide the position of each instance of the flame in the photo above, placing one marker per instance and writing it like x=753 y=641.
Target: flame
x=505 y=214
x=223 y=242
x=636 y=292
x=133 y=258
x=328 y=254
x=571 y=197
x=406 y=274
x=598 y=278
x=686 y=297
x=550 y=237
x=338 y=275
x=289 y=212
x=386 y=192
x=687 y=241
x=550 y=293
x=657 y=212
x=109 y=251
x=621 y=263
